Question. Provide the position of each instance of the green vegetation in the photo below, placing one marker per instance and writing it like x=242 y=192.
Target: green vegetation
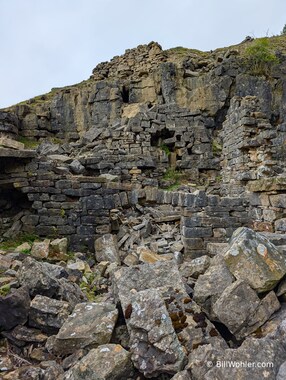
x=4 y=290
x=165 y=149
x=216 y=147
x=11 y=244
x=63 y=213
x=29 y=143
x=174 y=176
x=260 y=57
x=283 y=30
x=88 y=285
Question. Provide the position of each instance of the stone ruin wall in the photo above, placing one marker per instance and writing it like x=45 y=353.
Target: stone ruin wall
x=138 y=116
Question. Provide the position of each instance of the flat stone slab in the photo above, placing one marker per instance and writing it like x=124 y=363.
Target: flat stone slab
x=90 y=325
x=107 y=362
x=25 y=153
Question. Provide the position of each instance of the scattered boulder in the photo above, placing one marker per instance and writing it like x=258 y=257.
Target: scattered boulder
x=210 y=286
x=37 y=277
x=195 y=267
x=269 y=353
x=14 y=308
x=154 y=345
x=106 y=249
x=58 y=249
x=90 y=325
x=162 y=275
x=48 y=314
x=240 y=309
x=40 y=249
x=107 y=362
x=251 y=257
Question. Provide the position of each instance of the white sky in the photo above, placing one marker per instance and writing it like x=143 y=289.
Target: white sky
x=54 y=43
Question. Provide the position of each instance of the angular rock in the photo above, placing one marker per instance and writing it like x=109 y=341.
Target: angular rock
x=148 y=256
x=203 y=358
x=251 y=257
x=25 y=372
x=195 y=268
x=58 y=249
x=40 y=249
x=184 y=375
x=269 y=353
x=106 y=249
x=37 y=277
x=107 y=362
x=28 y=335
x=14 y=308
x=210 y=285
x=90 y=325
x=48 y=314
x=76 y=167
x=281 y=375
x=240 y=309
x=154 y=345
x=161 y=275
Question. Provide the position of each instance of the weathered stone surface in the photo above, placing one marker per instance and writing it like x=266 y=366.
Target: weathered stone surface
x=25 y=372
x=154 y=345
x=14 y=308
x=240 y=309
x=40 y=249
x=106 y=249
x=90 y=325
x=107 y=362
x=195 y=267
x=9 y=143
x=148 y=256
x=37 y=277
x=210 y=286
x=269 y=353
x=183 y=375
x=281 y=375
x=58 y=249
x=28 y=335
x=254 y=259
x=160 y=276
x=48 y=314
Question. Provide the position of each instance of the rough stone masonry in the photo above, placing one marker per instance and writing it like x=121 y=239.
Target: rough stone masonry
x=143 y=221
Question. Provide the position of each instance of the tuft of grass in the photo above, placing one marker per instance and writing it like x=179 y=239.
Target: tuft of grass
x=88 y=285
x=165 y=149
x=216 y=148
x=4 y=290
x=11 y=244
x=29 y=143
x=260 y=57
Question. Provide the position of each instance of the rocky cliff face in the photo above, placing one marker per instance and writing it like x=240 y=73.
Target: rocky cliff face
x=149 y=166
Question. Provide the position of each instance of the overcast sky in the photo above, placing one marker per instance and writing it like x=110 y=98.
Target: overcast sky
x=54 y=43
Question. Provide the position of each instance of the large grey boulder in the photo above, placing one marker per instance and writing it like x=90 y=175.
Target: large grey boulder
x=255 y=359
x=107 y=362
x=90 y=325
x=154 y=345
x=161 y=275
x=210 y=286
x=14 y=308
x=38 y=278
x=241 y=310
x=251 y=257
